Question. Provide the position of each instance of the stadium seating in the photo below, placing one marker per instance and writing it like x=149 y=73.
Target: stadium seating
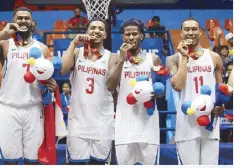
x=228 y=25
x=212 y=23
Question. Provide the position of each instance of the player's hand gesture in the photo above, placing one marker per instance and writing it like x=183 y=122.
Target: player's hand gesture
x=11 y=28
x=125 y=47
x=183 y=47
x=81 y=38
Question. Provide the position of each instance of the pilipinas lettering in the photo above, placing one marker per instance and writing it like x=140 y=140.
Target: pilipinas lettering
x=197 y=68
x=91 y=70
x=130 y=74
x=19 y=55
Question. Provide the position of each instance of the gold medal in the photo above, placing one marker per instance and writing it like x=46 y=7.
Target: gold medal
x=137 y=59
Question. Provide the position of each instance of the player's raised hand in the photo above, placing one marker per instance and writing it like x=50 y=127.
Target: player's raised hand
x=125 y=47
x=11 y=28
x=183 y=47
x=81 y=38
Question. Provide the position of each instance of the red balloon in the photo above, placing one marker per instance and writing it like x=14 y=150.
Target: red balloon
x=29 y=77
x=148 y=104
x=203 y=120
x=131 y=99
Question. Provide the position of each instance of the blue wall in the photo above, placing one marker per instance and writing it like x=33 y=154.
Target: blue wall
x=170 y=18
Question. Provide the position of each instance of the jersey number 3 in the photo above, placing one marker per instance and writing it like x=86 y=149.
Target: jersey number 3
x=198 y=83
x=90 y=88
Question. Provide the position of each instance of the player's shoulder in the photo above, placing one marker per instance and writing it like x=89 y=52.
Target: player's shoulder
x=213 y=54
x=216 y=58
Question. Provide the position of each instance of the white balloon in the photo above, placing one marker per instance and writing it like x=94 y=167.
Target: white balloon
x=203 y=105
x=43 y=69
x=142 y=91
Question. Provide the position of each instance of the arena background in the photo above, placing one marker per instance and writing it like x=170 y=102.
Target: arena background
x=51 y=17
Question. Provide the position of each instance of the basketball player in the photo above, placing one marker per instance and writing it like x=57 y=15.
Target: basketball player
x=21 y=126
x=136 y=133
x=193 y=66
x=90 y=119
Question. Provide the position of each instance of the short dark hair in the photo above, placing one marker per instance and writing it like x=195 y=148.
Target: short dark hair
x=22 y=8
x=134 y=22
x=191 y=18
x=98 y=19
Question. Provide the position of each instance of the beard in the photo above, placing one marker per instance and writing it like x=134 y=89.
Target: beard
x=25 y=34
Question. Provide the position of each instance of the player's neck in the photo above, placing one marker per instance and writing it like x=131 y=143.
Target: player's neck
x=98 y=46
x=23 y=39
x=135 y=52
x=195 y=48
x=25 y=36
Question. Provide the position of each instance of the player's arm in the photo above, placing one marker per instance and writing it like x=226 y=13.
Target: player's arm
x=114 y=73
x=8 y=30
x=69 y=58
x=178 y=69
x=115 y=67
x=218 y=66
x=46 y=52
x=72 y=52
x=4 y=45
